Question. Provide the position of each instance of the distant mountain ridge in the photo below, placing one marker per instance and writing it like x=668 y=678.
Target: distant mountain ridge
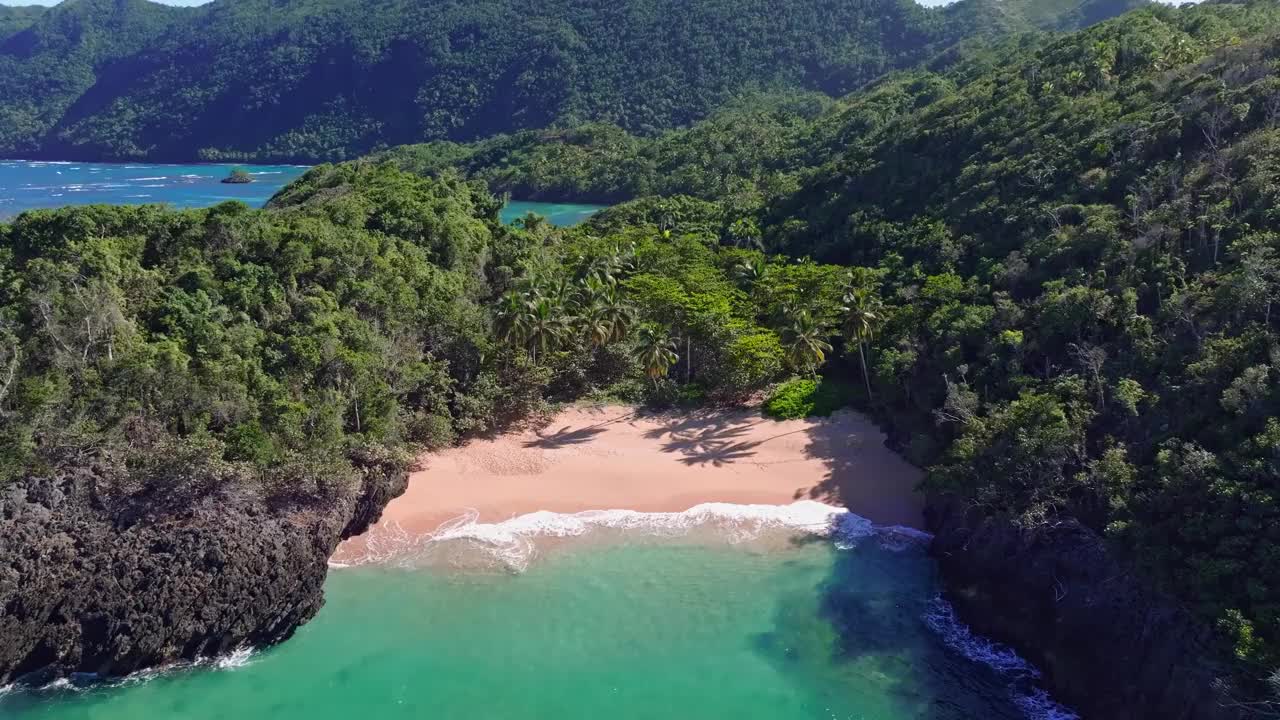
x=326 y=79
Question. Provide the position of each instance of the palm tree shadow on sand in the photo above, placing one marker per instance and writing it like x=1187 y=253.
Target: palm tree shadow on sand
x=563 y=437
x=570 y=435
x=712 y=438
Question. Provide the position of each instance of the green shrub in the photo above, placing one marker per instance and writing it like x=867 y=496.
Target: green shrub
x=749 y=363
x=806 y=397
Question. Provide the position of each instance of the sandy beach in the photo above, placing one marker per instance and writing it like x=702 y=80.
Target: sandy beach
x=621 y=458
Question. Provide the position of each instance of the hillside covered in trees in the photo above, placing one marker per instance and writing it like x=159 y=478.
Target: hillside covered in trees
x=15 y=18
x=1065 y=264
x=309 y=80
x=1049 y=265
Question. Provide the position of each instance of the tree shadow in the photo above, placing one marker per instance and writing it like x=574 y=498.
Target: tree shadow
x=719 y=454
x=564 y=437
x=862 y=474
x=858 y=641
x=689 y=424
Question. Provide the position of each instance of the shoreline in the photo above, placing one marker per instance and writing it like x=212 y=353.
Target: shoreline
x=618 y=458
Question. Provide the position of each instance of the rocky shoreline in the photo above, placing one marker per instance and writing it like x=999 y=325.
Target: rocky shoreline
x=1107 y=645
x=85 y=589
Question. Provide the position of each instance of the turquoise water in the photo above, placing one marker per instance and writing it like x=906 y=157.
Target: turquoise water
x=28 y=185
x=565 y=214
x=614 y=625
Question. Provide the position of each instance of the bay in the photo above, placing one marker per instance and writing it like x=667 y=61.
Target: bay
x=32 y=185
x=628 y=626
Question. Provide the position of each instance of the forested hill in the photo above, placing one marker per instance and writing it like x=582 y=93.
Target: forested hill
x=327 y=79
x=15 y=18
x=1069 y=255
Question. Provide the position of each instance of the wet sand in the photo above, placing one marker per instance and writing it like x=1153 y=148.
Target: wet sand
x=617 y=457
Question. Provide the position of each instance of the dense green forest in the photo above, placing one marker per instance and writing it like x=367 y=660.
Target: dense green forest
x=14 y=18
x=1050 y=265
x=366 y=315
x=1066 y=257
x=330 y=79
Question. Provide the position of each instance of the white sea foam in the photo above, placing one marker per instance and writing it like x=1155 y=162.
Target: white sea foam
x=513 y=544
x=234 y=660
x=941 y=618
x=900 y=537
x=61 y=684
x=1037 y=705
x=162 y=177
x=82 y=682
x=1034 y=701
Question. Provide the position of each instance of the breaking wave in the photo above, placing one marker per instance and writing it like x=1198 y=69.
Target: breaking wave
x=1021 y=675
x=514 y=543
x=91 y=682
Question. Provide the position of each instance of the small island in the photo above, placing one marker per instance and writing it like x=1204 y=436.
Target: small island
x=239 y=176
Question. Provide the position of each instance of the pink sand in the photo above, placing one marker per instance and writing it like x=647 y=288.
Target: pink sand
x=620 y=458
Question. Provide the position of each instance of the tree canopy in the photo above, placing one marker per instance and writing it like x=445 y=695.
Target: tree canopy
x=332 y=79
x=1071 y=252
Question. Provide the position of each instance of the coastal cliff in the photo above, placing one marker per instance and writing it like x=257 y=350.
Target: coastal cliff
x=1108 y=646
x=87 y=586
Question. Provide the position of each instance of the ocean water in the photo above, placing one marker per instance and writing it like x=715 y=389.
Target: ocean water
x=736 y=612
x=30 y=185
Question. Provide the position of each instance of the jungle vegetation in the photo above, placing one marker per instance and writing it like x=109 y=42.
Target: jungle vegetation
x=1064 y=271
x=1049 y=265
x=317 y=80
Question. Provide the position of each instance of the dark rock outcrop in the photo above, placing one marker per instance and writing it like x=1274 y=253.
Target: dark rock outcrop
x=1108 y=645
x=84 y=589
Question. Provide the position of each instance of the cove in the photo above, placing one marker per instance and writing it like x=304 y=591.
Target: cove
x=31 y=185
x=628 y=624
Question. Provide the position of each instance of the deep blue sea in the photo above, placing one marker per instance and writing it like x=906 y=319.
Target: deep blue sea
x=30 y=185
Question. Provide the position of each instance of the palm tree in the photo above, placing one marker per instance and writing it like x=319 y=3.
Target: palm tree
x=656 y=353
x=863 y=313
x=546 y=327
x=750 y=271
x=616 y=314
x=805 y=341
x=511 y=320
x=596 y=325
x=745 y=233
x=560 y=292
